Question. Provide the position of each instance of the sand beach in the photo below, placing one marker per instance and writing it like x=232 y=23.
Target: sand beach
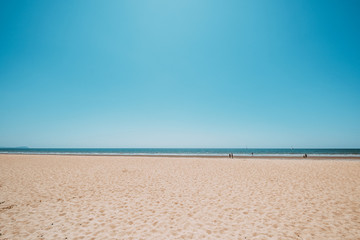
x=123 y=197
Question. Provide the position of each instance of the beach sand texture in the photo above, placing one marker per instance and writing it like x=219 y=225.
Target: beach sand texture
x=102 y=197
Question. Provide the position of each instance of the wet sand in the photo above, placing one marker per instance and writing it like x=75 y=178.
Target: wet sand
x=123 y=197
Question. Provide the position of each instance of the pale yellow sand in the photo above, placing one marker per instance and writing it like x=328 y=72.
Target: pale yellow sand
x=78 y=197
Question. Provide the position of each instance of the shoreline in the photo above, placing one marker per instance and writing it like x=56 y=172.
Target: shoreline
x=309 y=157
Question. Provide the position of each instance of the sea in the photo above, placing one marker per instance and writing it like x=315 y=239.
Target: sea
x=189 y=151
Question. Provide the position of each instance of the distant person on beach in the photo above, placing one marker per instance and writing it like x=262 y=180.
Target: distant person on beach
x=252 y=154
x=305 y=155
x=229 y=155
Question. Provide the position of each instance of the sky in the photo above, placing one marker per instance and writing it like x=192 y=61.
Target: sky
x=256 y=74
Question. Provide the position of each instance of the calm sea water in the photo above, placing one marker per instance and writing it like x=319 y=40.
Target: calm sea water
x=186 y=151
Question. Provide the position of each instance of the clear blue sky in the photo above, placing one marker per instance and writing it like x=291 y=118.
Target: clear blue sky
x=180 y=73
